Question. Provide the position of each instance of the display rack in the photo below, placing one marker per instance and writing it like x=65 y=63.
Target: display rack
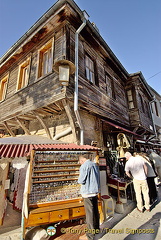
x=54 y=177
x=54 y=190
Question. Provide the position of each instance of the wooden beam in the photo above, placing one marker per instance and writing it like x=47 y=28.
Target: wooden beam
x=43 y=124
x=22 y=125
x=12 y=123
x=26 y=117
x=41 y=112
x=71 y=120
x=50 y=109
x=58 y=105
x=9 y=129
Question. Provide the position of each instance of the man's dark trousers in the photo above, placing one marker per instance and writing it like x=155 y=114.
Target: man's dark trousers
x=92 y=215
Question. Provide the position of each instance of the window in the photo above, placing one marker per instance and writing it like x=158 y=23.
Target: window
x=110 y=86
x=45 y=59
x=23 y=75
x=3 y=88
x=130 y=99
x=89 y=69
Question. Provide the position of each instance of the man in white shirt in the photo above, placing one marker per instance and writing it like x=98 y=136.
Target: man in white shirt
x=136 y=168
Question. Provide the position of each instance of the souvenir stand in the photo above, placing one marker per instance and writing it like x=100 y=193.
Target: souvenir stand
x=12 y=156
x=119 y=181
x=52 y=193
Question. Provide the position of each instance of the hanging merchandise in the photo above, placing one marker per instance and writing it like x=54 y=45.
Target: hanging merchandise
x=19 y=163
x=3 y=165
x=3 y=201
x=123 y=144
x=20 y=189
x=4 y=162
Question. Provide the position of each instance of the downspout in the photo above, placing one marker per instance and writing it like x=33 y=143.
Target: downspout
x=85 y=18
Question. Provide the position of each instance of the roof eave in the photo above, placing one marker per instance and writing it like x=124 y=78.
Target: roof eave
x=47 y=15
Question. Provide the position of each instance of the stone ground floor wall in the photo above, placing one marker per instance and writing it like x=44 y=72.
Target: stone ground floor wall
x=92 y=128
x=56 y=124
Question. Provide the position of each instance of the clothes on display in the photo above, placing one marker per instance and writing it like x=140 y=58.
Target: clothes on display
x=17 y=182
x=18 y=197
x=3 y=176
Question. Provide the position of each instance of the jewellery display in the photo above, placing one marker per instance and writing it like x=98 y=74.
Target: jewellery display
x=54 y=176
x=53 y=192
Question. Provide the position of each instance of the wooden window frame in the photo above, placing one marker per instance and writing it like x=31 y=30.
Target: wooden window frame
x=23 y=76
x=3 y=88
x=42 y=63
x=90 y=71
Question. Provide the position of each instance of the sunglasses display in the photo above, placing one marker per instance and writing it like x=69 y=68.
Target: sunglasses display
x=55 y=176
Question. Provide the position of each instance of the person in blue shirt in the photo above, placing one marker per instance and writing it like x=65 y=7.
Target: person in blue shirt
x=89 y=179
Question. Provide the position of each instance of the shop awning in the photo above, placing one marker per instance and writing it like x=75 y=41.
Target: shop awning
x=15 y=150
x=21 y=150
x=64 y=147
x=121 y=128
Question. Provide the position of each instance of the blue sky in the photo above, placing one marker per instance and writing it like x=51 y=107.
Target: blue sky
x=131 y=28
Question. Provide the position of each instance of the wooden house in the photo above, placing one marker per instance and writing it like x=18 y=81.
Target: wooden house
x=100 y=103
x=108 y=99
x=156 y=116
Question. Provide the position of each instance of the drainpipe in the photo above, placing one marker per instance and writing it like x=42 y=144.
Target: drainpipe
x=85 y=18
x=62 y=134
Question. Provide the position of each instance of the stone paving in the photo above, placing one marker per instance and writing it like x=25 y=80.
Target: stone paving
x=136 y=225
x=131 y=225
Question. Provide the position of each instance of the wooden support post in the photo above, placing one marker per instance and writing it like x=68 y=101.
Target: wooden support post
x=24 y=220
x=69 y=114
x=9 y=129
x=22 y=125
x=43 y=124
x=99 y=195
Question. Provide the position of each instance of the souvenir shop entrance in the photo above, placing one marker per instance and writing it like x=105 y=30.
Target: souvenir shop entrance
x=12 y=181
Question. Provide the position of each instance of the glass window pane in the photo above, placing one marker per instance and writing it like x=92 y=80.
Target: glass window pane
x=45 y=63
x=49 y=61
x=92 y=77
x=87 y=74
x=131 y=105
x=130 y=98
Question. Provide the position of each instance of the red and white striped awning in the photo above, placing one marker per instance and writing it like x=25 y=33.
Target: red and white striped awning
x=21 y=150
x=15 y=150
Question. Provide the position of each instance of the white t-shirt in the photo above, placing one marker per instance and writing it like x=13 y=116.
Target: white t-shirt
x=136 y=166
